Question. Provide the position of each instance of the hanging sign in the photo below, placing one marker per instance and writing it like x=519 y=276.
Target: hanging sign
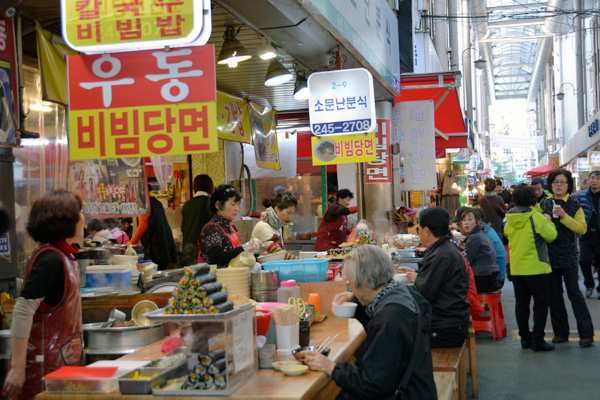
x=233 y=119
x=8 y=84
x=594 y=158
x=266 y=149
x=343 y=149
x=144 y=103
x=380 y=170
x=110 y=188
x=94 y=27
x=413 y=123
x=583 y=164
x=341 y=102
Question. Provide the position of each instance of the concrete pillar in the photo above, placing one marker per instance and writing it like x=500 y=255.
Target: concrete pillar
x=440 y=32
x=579 y=64
x=378 y=196
x=453 y=28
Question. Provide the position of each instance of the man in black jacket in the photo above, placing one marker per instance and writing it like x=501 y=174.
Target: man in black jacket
x=442 y=280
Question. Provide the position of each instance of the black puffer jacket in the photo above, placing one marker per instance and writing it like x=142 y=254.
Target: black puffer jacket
x=387 y=351
x=443 y=281
x=563 y=251
x=481 y=253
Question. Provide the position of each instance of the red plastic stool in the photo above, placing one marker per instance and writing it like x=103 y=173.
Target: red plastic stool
x=495 y=322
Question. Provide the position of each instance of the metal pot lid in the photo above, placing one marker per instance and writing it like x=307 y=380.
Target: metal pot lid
x=96 y=327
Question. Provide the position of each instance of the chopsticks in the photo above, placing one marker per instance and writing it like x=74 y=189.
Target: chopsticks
x=326 y=343
x=285 y=315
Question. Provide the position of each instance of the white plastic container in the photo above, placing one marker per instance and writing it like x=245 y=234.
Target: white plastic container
x=286 y=290
x=117 y=276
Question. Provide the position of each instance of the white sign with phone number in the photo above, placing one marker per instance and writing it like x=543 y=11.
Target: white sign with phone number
x=341 y=102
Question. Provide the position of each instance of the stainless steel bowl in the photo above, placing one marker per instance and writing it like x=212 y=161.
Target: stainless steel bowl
x=121 y=340
x=296 y=352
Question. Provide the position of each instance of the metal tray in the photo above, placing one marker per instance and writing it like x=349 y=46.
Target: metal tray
x=159 y=316
x=143 y=386
x=99 y=294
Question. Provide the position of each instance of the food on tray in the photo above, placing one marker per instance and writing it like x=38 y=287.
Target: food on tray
x=138 y=375
x=364 y=238
x=198 y=293
x=209 y=373
x=238 y=299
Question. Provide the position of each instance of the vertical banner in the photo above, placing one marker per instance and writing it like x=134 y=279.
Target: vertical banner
x=142 y=103
x=264 y=136
x=52 y=56
x=110 y=188
x=9 y=109
x=233 y=119
x=380 y=170
x=413 y=123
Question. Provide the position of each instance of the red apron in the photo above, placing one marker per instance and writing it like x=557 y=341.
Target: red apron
x=56 y=336
x=331 y=234
x=234 y=239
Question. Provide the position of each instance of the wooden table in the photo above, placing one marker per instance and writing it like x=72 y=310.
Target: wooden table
x=267 y=384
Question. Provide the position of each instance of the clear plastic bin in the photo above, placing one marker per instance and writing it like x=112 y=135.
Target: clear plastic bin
x=307 y=270
x=233 y=331
x=87 y=384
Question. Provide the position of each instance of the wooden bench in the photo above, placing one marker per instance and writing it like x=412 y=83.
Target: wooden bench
x=445 y=383
x=452 y=359
x=472 y=358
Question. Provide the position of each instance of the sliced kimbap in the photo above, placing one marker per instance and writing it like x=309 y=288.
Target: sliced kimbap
x=220 y=380
x=213 y=370
x=187 y=385
x=199 y=370
x=208 y=379
x=205 y=360
x=215 y=298
x=199 y=385
x=178 y=293
x=210 y=386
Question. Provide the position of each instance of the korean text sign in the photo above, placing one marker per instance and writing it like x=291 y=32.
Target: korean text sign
x=107 y=188
x=233 y=119
x=343 y=149
x=341 y=102
x=413 y=130
x=380 y=170
x=9 y=104
x=120 y=25
x=143 y=103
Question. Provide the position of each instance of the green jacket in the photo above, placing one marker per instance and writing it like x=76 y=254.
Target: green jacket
x=527 y=232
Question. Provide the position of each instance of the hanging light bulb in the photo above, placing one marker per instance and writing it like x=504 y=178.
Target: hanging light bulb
x=232 y=51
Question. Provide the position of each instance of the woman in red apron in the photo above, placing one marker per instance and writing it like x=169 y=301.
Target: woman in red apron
x=46 y=328
x=334 y=224
x=219 y=242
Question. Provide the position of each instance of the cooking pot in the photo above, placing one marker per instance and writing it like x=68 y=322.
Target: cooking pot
x=119 y=340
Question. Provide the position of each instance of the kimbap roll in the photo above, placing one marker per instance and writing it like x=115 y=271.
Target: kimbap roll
x=216 y=354
x=184 y=282
x=178 y=293
x=200 y=269
x=187 y=385
x=189 y=271
x=198 y=385
x=205 y=360
x=194 y=283
x=199 y=370
x=213 y=369
x=208 y=278
x=190 y=293
x=168 y=310
x=212 y=287
x=215 y=298
x=220 y=380
x=208 y=379
x=221 y=364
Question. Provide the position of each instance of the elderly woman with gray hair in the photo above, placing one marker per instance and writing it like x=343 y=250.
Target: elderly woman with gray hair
x=389 y=314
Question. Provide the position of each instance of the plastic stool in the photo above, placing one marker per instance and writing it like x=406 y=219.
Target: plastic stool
x=495 y=322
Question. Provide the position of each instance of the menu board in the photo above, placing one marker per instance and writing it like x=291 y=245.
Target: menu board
x=413 y=130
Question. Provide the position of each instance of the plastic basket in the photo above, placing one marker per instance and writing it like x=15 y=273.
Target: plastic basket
x=307 y=270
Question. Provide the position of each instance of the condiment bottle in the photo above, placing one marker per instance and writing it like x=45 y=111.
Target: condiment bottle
x=305 y=331
x=286 y=290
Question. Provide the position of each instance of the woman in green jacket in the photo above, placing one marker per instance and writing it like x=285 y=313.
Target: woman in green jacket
x=527 y=232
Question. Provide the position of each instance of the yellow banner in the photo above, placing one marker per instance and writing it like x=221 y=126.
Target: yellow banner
x=145 y=131
x=344 y=149
x=52 y=53
x=233 y=120
x=264 y=136
x=92 y=23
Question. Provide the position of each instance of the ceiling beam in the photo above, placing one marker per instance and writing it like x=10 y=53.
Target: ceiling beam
x=517 y=22
x=513 y=65
x=514 y=39
x=509 y=97
x=519 y=6
x=511 y=75
x=533 y=53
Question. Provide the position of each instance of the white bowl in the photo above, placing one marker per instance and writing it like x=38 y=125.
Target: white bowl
x=345 y=310
x=272 y=257
x=402 y=278
x=119 y=259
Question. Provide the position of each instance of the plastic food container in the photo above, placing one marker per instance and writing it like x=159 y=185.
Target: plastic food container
x=129 y=385
x=117 y=276
x=82 y=380
x=308 y=270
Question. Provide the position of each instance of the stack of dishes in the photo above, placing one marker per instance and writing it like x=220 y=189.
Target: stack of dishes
x=264 y=285
x=234 y=280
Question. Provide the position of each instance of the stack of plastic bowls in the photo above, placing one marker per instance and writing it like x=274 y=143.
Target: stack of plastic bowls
x=264 y=285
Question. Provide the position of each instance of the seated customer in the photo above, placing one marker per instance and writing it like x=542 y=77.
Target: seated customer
x=442 y=280
x=388 y=312
x=480 y=252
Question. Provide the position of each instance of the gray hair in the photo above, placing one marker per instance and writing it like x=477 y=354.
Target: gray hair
x=369 y=267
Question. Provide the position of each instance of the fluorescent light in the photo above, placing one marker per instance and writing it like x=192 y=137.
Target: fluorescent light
x=265 y=50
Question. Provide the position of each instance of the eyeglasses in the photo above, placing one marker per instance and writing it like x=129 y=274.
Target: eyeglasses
x=560 y=182
x=594 y=178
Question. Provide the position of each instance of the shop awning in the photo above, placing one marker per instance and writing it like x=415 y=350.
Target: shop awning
x=450 y=129
x=541 y=170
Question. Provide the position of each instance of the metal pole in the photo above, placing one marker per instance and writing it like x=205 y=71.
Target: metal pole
x=360 y=190
x=579 y=63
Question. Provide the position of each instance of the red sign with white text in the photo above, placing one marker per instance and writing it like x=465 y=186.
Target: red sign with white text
x=142 y=103
x=380 y=170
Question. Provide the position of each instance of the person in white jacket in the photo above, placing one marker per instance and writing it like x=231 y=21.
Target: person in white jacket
x=269 y=229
